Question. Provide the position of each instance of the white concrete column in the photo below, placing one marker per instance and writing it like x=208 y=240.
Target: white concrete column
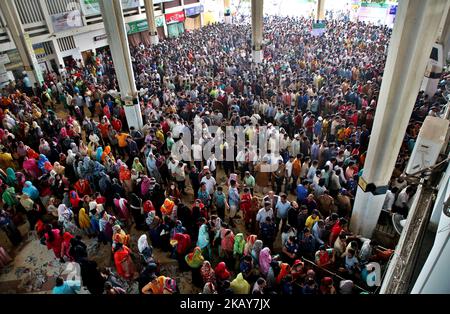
x=443 y=37
x=409 y=50
x=226 y=8
x=120 y=50
x=257 y=30
x=150 y=12
x=17 y=35
x=320 y=10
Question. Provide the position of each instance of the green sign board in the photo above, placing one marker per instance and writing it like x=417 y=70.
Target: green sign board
x=142 y=25
x=374 y=5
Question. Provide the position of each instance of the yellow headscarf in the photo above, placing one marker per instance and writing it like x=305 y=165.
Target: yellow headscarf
x=83 y=219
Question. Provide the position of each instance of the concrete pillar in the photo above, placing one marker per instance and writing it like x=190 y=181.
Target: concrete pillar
x=150 y=12
x=409 y=50
x=22 y=42
x=320 y=11
x=227 y=9
x=443 y=37
x=257 y=30
x=120 y=50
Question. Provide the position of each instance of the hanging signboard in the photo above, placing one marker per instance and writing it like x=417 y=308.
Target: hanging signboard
x=318 y=29
x=175 y=17
x=65 y=21
x=39 y=50
x=92 y=7
x=142 y=25
x=194 y=10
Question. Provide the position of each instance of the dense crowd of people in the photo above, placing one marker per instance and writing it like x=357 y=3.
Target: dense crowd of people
x=87 y=175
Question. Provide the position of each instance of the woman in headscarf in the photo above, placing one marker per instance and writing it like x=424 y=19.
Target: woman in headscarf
x=124 y=264
x=58 y=168
x=153 y=168
x=9 y=177
x=53 y=240
x=31 y=168
x=182 y=245
x=99 y=154
x=119 y=236
x=30 y=190
x=285 y=270
x=145 y=186
x=239 y=285
x=326 y=286
x=137 y=211
x=209 y=288
x=195 y=262
x=145 y=249
x=121 y=208
x=41 y=163
x=256 y=250
x=207 y=272
x=9 y=197
x=65 y=246
x=125 y=178
x=238 y=249
x=251 y=239
x=227 y=245
x=83 y=187
x=222 y=272
x=138 y=166
x=85 y=222
x=105 y=153
x=154 y=224
x=65 y=216
x=160 y=285
x=265 y=258
x=297 y=270
x=203 y=240
x=75 y=200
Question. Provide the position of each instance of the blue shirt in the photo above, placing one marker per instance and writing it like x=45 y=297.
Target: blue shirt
x=282 y=209
x=69 y=287
x=302 y=192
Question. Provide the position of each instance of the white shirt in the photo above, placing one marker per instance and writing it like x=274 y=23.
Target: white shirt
x=289 y=168
x=263 y=214
x=389 y=201
x=402 y=198
x=210 y=183
x=211 y=163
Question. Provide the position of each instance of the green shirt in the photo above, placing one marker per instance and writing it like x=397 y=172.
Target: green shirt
x=249 y=181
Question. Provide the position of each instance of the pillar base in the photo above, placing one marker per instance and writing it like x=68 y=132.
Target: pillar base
x=366 y=212
x=134 y=115
x=154 y=39
x=257 y=56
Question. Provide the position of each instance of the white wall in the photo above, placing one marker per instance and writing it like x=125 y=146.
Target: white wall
x=86 y=41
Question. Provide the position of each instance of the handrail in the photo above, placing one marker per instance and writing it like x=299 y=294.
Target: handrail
x=334 y=274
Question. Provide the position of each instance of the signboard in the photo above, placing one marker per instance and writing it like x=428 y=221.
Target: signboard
x=136 y=27
x=4 y=59
x=318 y=29
x=194 y=10
x=65 y=21
x=100 y=37
x=175 y=17
x=142 y=25
x=39 y=50
x=36 y=66
x=393 y=9
x=92 y=7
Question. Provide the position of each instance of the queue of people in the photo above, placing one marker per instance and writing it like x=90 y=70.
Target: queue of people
x=87 y=175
